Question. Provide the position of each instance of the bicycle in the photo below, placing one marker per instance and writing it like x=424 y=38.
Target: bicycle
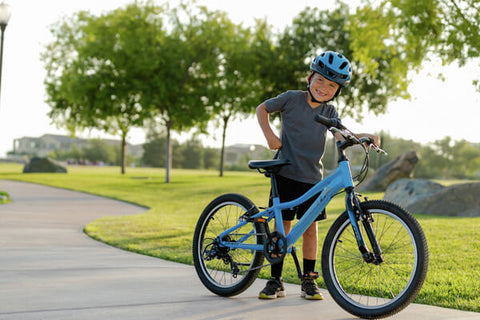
x=374 y=257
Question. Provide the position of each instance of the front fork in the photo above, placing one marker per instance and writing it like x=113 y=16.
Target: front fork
x=355 y=214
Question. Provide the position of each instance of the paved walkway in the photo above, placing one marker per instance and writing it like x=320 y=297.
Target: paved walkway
x=49 y=269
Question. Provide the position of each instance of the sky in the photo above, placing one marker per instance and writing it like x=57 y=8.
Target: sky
x=437 y=108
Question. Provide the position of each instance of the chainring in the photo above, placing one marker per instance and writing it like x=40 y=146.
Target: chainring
x=275 y=247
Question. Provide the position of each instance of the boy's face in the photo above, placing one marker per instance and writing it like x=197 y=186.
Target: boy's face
x=322 y=89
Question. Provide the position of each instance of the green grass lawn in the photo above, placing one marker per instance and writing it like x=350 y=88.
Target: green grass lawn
x=165 y=230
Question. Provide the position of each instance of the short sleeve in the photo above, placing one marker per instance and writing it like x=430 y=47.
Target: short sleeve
x=278 y=103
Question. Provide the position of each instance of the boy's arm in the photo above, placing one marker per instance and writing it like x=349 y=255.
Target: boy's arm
x=273 y=140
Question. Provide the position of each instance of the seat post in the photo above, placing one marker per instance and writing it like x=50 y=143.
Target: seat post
x=273 y=182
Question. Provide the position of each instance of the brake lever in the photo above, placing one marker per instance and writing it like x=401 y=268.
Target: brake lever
x=377 y=149
x=345 y=134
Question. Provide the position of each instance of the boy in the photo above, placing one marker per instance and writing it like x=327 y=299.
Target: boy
x=303 y=143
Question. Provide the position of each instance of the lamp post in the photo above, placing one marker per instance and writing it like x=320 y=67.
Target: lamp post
x=4 y=17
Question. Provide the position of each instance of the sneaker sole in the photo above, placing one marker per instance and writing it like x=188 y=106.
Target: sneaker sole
x=280 y=294
x=314 y=297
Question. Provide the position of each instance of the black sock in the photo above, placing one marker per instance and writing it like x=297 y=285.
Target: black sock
x=277 y=270
x=308 y=266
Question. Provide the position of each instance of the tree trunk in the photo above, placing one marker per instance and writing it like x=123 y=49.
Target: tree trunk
x=123 y=156
x=168 y=154
x=222 y=150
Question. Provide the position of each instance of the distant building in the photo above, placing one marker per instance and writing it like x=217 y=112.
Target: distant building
x=239 y=154
x=42 y=146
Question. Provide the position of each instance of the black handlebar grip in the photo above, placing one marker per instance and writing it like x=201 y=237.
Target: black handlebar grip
x=329 y=122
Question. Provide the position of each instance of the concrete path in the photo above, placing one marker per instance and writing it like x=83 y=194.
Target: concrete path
x=49 y=269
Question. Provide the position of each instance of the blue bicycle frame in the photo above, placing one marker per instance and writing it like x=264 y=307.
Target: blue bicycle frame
x=341 y=178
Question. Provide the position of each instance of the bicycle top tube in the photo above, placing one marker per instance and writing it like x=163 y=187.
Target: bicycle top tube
x=340 y=178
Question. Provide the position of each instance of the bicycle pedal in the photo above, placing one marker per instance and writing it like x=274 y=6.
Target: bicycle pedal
x=311 y=275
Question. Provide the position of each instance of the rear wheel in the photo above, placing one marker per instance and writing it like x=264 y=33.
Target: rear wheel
x=376 y=290
x=225 y=271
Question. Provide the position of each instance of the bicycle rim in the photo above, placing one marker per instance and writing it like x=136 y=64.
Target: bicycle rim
x=219 y=271
x=367 y=286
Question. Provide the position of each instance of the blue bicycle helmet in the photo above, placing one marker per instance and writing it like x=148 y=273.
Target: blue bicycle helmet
x=333 y=66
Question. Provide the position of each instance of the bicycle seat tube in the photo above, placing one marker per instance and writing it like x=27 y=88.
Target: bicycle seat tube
x=276 y=202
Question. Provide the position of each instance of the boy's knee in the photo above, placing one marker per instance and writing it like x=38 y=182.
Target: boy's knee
x=311 y=232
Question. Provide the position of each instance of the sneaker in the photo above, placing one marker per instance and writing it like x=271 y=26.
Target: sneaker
x=274 y=289
x=310 y=289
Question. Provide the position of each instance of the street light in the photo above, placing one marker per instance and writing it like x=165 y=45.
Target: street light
x=4 y=17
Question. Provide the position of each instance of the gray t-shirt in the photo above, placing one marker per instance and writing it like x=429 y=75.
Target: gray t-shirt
x=303 y=139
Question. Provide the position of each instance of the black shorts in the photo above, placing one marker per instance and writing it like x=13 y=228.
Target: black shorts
x=288 y=190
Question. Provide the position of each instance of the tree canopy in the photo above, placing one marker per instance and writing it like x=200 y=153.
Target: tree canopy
x=183 y=67
x=96 y=66
x=447 y=29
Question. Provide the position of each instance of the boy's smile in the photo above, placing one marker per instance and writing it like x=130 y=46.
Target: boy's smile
x=322 y=88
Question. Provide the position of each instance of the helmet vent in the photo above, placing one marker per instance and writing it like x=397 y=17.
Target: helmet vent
x=330 y=58
x=343 y=65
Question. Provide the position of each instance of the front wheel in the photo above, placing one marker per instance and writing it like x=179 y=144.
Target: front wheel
x=376 y=290
x=222 y=270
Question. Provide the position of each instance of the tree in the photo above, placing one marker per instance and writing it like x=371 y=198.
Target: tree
x=379 y=60
x=448 y=29
x=95 y=69
x=155 y=145
x=99 y=151
x=154 y=152
x=446 y=158
x=189 y=60
x=237 y=88
x=192 y=154
x=210 y=158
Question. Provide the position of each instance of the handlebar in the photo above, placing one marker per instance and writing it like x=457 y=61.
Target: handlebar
x=335 y=126
x=330 y=122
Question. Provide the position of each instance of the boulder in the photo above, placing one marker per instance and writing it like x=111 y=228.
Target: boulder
x=37 y=164
x=405 y=192
x=456 y=200
x=402 y=166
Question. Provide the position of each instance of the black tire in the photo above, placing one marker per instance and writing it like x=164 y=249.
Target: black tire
x=215 y=273
x=375 y=291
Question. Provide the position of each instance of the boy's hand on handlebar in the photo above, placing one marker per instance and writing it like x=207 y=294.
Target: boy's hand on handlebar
x=374 y=143
x=376 y=140
x=341 y=133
